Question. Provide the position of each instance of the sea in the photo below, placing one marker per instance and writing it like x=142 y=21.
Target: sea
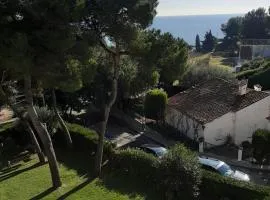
x=187 y=27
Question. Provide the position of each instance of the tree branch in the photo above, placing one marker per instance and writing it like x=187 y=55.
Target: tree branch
x=105 y=47
x=124 y=52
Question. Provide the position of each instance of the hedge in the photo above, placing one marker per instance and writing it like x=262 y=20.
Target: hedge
x=148 y=170
x=155 y=104
x=84 y=139
x=135 y=163
x=215 y=187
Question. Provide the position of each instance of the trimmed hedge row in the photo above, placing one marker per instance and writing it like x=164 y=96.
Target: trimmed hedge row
x=84 y=139
x=146 y=168
x=137 y=164
x=175 y=176
x=215 y=187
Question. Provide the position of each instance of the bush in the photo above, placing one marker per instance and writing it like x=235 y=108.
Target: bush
x=200 y=73
x=16 y=132
x=180 y=174
x=262 y=78
x=216 y=187
x=135 y=163
x=260 y=143
x=155 y=104
x=47 y=117
x=83 y=139
x=175 y=176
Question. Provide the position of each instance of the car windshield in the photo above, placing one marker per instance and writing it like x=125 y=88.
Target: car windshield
x=160 y=151
x=225 y=169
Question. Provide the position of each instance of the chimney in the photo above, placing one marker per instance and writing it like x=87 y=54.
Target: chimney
x=242 y=87
x=258 y=87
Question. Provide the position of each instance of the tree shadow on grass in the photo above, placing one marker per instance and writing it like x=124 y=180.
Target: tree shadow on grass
x=7 y=175
x=75 y=189
x=43 y=194
x=82 y=162
x=127 y=186
x=7 y=170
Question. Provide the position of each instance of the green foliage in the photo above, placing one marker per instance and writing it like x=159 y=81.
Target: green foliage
x=197 y=74
x=47 y=117
x=260 y=143
x=261 y=78
x=232 y=30
x=17 y=132
x=178 y=176
x=198 y=43
x=168 y=55
x=180 y=173
x=257 y=72
x=135 y=163
x=216 y=187
x=83 y=139
x=209 y=42
x=155 y=104
x=255 y=24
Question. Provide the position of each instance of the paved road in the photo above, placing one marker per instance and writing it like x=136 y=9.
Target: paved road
x=130 y=138
x=256 y=177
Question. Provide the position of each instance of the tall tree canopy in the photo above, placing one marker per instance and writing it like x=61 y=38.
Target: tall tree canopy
x=209 y=42
x=116 y=26
x=255 y=24
x=35 y=44
x=198 y=43
x=168 y=54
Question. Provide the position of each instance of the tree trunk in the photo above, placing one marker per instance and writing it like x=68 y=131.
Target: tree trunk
x=43 y=133
x=26 y=124
x=106 y=112
x=39 y=152
x=61 y=121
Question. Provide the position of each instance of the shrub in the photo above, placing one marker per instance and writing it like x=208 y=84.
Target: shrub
x=216 y=187
x=178 y=176
x=135 y=163
x=155 y=104
x=84 y=139
x=262 y=78
x=15 y=131
x=260 y=143
x=47 y=117
x=180 y=173
x=200 y=73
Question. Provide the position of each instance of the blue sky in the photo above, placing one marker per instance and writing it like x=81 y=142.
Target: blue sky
x=204 y=7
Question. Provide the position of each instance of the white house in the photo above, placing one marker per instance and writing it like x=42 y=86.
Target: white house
x=218 y=108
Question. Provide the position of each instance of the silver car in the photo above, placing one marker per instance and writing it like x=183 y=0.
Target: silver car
x=154 y=149
x=222 y=168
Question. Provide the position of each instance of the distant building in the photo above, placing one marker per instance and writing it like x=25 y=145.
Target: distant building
x=217 y=109
x=253 y=48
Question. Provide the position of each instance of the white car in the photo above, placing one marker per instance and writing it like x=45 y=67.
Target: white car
x=222 y=168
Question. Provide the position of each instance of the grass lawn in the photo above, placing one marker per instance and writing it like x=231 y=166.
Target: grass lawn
x=28 y=180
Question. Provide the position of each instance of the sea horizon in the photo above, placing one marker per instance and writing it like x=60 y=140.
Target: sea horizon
x=188 y=26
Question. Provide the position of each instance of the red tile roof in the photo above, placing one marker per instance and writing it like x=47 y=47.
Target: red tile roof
x=213 y=99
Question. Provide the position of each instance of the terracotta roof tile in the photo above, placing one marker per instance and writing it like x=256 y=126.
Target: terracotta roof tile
x=213 y=99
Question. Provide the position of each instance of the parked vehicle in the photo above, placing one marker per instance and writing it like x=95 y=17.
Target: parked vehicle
x=154 y=149
x=222 y=168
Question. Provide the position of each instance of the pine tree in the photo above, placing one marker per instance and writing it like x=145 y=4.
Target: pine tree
x=198 y=43
x=209 y=42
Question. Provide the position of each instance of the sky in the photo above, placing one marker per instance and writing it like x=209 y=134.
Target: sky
x=207 y=7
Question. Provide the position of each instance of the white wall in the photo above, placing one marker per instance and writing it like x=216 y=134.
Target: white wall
x=215 y=132
x=252 y=118
x=240 y=125
x=183 y=123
